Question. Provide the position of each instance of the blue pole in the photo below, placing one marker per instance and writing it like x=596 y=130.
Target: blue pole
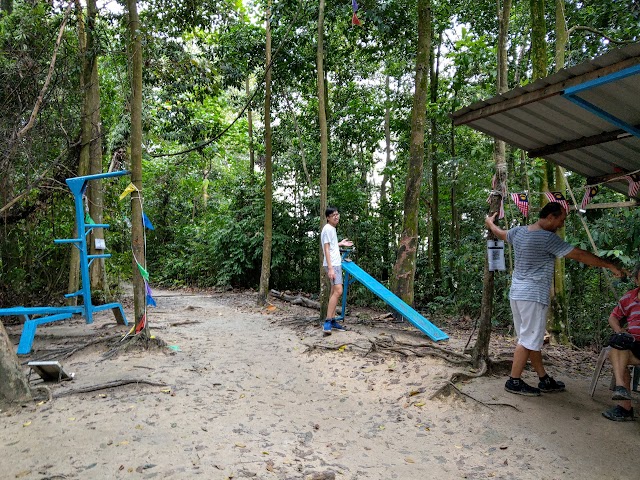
x=344 y=296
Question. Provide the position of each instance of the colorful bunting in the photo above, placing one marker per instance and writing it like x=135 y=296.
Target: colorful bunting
x=147 y=223
x=522 y=202
x=354 y=19
x=141 y=324
x=150 y=299
x=130 y=188
x=589 y=193
x=559 y=198
x=143 y=272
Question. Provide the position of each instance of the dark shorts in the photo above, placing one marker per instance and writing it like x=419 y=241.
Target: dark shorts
x=635 y=349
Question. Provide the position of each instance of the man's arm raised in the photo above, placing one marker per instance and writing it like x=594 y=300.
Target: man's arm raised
x=496 y=230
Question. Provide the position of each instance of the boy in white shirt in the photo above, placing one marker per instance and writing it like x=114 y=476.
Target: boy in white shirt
x=333 y=266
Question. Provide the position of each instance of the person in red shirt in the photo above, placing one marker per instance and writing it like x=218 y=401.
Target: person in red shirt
x=627 y=310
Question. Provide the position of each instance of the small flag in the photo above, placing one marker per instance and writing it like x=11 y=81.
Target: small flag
x=143 y=272
x=88 y=220
x=634 y=184
x=150 y=300
x=354 y=19
x=141 y=324
x=130 y=188
x=146 y=222
x=589 y=193
x=559 y=198
x=522 y=202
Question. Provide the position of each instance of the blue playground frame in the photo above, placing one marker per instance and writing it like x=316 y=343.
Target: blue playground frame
x=78 y=186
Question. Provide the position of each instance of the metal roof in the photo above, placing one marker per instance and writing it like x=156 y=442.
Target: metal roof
x=585 y=118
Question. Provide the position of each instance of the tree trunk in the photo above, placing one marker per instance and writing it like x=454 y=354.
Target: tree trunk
x=268 y=194
x=405 y=266
x=137 y=228
x=538 y=40
x=558 y=324
x=324 y=152
x=14 y=387
x=455 y=216
x=92 y=143
x=384 y=200
x=73 y=283
x=435 y=203
x=252 y=153
x=480 y=352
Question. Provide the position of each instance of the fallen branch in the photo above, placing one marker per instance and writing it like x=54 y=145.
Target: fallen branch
x=104 y=386
x=296 y=300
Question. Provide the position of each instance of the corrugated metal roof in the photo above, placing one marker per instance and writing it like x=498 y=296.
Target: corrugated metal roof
x=541 y=119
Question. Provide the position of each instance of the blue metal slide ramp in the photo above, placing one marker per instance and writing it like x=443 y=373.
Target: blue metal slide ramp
x=417 y=320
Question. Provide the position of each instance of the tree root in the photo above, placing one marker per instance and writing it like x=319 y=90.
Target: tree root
x=140 y=340
x=458 y=376
x=103 y=386
x=418 y=350
x=311 y=348
x=44 y=388
x=69 y=351
x=450 y=386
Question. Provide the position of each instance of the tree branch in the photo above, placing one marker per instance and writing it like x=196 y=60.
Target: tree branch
x=598 y=32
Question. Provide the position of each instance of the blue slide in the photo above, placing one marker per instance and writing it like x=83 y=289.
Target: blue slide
x=417 y=320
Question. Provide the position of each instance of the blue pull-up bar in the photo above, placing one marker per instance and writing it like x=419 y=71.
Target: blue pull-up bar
x=78 y=186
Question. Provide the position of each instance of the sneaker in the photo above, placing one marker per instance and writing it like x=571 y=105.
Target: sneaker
x=621 y=393
x=326 y=329
x=618 y=414
x=336 y=326
x=519 y=387
x=549 y=385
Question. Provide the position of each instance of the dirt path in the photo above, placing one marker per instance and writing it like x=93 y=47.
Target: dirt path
x=247 y=398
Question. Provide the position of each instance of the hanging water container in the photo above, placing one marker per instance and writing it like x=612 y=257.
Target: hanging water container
x=495 y=253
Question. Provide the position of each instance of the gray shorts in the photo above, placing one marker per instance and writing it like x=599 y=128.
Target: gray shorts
x=338 y=272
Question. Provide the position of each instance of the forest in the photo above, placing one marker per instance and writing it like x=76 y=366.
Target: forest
x=255 y=116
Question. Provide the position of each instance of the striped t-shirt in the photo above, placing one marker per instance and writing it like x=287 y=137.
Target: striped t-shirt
x=535 y=252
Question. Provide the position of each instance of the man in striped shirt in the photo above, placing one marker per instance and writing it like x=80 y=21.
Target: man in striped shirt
x=536 y=248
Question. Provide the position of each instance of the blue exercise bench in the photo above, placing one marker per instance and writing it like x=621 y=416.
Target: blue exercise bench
x=78 y=186
x=408 y=313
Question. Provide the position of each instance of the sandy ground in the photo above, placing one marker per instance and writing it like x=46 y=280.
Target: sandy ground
x=260 y=393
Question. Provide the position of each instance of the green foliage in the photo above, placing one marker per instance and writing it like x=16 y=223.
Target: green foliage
x=208 y=209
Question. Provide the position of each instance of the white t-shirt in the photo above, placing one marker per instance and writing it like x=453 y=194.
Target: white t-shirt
x=330 y=236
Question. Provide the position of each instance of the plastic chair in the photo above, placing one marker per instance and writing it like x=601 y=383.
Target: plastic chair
x=604 y=354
